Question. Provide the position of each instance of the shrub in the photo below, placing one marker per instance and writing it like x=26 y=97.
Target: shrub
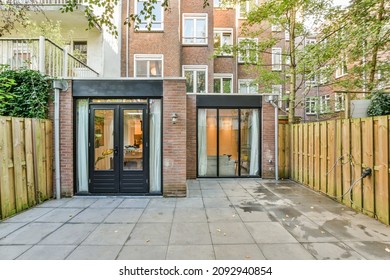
x=24 y=93
x=380 y=104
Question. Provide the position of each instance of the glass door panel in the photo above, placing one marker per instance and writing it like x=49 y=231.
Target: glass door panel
x=207 y=142
x=228 y=142
x=249 y=163
x=103 y=139
x=132 y=140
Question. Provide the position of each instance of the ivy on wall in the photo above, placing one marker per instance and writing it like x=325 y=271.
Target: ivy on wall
x=380 y=104
x=24 y=93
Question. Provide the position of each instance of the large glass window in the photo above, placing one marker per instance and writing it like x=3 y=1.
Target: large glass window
x=223 y=83
x=148 y=66
x=245 y=7
x=223 y=38
x=246 y=86
x=247 y=52
x=156 y=22
x=228 y=142
x=196 y=78
x=195 y=29
x=276 y=59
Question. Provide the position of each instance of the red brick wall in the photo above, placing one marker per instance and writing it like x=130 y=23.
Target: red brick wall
x=191 y=137
x=268 y=141
x=174 y=138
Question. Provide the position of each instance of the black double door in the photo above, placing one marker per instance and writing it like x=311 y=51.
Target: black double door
x=118 y=149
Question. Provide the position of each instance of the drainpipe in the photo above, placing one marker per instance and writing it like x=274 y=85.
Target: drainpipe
x=271 y=101
x=58 y=85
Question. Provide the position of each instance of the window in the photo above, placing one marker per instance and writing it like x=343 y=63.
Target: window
x=155 y=23
x=277 y=90
x=223 y=4
x=80 y=50
x=196 y=78
x=148 y=65
x=276 y=28
x=276 y=59
x=195 y=29
x=339 y=102
x=223 y=83
x=309 y=41
x=342 y=67
x=311 y=105
x=245 y=7
x=247 y=86
x=311 y=80
x=247 y=52
x=223 y=37
x=325 y=104
x=287 y=35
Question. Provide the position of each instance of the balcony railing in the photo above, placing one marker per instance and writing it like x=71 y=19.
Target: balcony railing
x=45 y=56
x=46 y=2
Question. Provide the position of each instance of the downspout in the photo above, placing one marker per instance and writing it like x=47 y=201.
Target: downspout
x=276 y=139
x=58 y=85
x=127 y=40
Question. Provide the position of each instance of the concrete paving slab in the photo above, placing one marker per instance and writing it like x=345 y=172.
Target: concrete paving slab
x=30 y=234
x=143 y=253
x=238 y=252
x=270 y=232
x=222 y=215
x=162 y=203
x=7 y=228
x=92 y=215
x=332 y=251
x=69 y=234
x=372 y=250
x=124 y=215
x=194 y=193
x=150 y=234
x=29 y=215
x=219 y=202
x=190 y=252
x=11 y=252
x=230 y=233
x=109 y=234
x=190 y=215
x=189 y=202
x=134 y=203
x=193 y=185
x=285 y=251
x=190 y=234
x=209 y=184
x=157 y=215
x=59 y=215
x=253 y=214
x=81 y=202
x=107 y=203
x=210 y=193
x=93 y=252
x=47 y=252
x=53 y=203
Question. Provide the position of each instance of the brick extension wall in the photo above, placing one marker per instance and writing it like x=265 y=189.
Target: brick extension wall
x=174 y=138
x=268 y=140
x=191 y=137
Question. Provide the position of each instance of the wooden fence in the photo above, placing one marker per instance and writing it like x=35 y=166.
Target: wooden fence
x=330 y=157
x=26 y=169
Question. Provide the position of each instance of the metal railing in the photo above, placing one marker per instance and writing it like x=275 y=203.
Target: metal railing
x=46 y=2
x=43 y=55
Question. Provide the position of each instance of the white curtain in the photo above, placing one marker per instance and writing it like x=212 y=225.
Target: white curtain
x=155 y=146
x=254 y=128
x=202 y=142
x=82 y=145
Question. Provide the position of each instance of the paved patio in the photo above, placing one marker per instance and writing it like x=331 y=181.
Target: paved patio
x=220 y=219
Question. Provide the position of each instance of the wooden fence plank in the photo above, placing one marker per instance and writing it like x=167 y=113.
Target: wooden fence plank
x=305 y=157
x=340 y=159
x=323 y=157
x=29 y=163
x=20 y=179
x=49 y=157
x=39 y=150
x=311 y=144
x=300 y=153
x=331 y=158
x=317 y=151
x=381 y=169
x=287 y=170
x=356 y=151
x=368 y=161
x=295 y=163
x=346 y=151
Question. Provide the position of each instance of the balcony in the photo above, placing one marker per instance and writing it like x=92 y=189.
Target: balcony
x=45 y=56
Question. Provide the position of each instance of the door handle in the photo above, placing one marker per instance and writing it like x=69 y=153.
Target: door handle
x=116 y=150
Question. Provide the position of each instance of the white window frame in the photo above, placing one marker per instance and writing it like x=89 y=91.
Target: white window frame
x=223 y=4
x=341 y=69
x=286 y=35
x=325 y=104
x=311 y=104
x=248 y=86
x=159 y=2
x=196 y=69
x=276 y=52
x=195 y=17
x=247 y=51
x=276 y=28
x=339 y=102
x=247 y=8
x=148 y=58
x=222 y=76
x=220 y=32
x=278 y=91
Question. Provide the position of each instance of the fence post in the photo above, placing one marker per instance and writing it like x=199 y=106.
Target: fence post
x=41 y=59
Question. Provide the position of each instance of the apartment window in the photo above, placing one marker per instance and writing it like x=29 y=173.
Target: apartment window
x=277 y=90
x=247 y=86
x=223 y=37
x=311 y=105
x=223 y=83
x=325 y=104
x=80 y=49
x=223 y=4
x=286 y=35
x=156 y=22
x=244 y=7
x=339 y=102
x=195 y=29
x=276 y=59
x=310 y=41
x=196 y=78
x=341 y=70
x=276 y=28
x=247 y=51
x=148 y=66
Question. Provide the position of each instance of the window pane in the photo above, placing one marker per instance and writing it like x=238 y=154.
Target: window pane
x=227 y=82
x=132 y=140
x=228 y=142
x=155 y=68
x=201 y=31
x=217 y=40
x=188 y=31
x=189 y=75
x=249 y=164
x=142 y=68
x=217 y=85
x=201 y=82
x=103 y=139
x=207 y=142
